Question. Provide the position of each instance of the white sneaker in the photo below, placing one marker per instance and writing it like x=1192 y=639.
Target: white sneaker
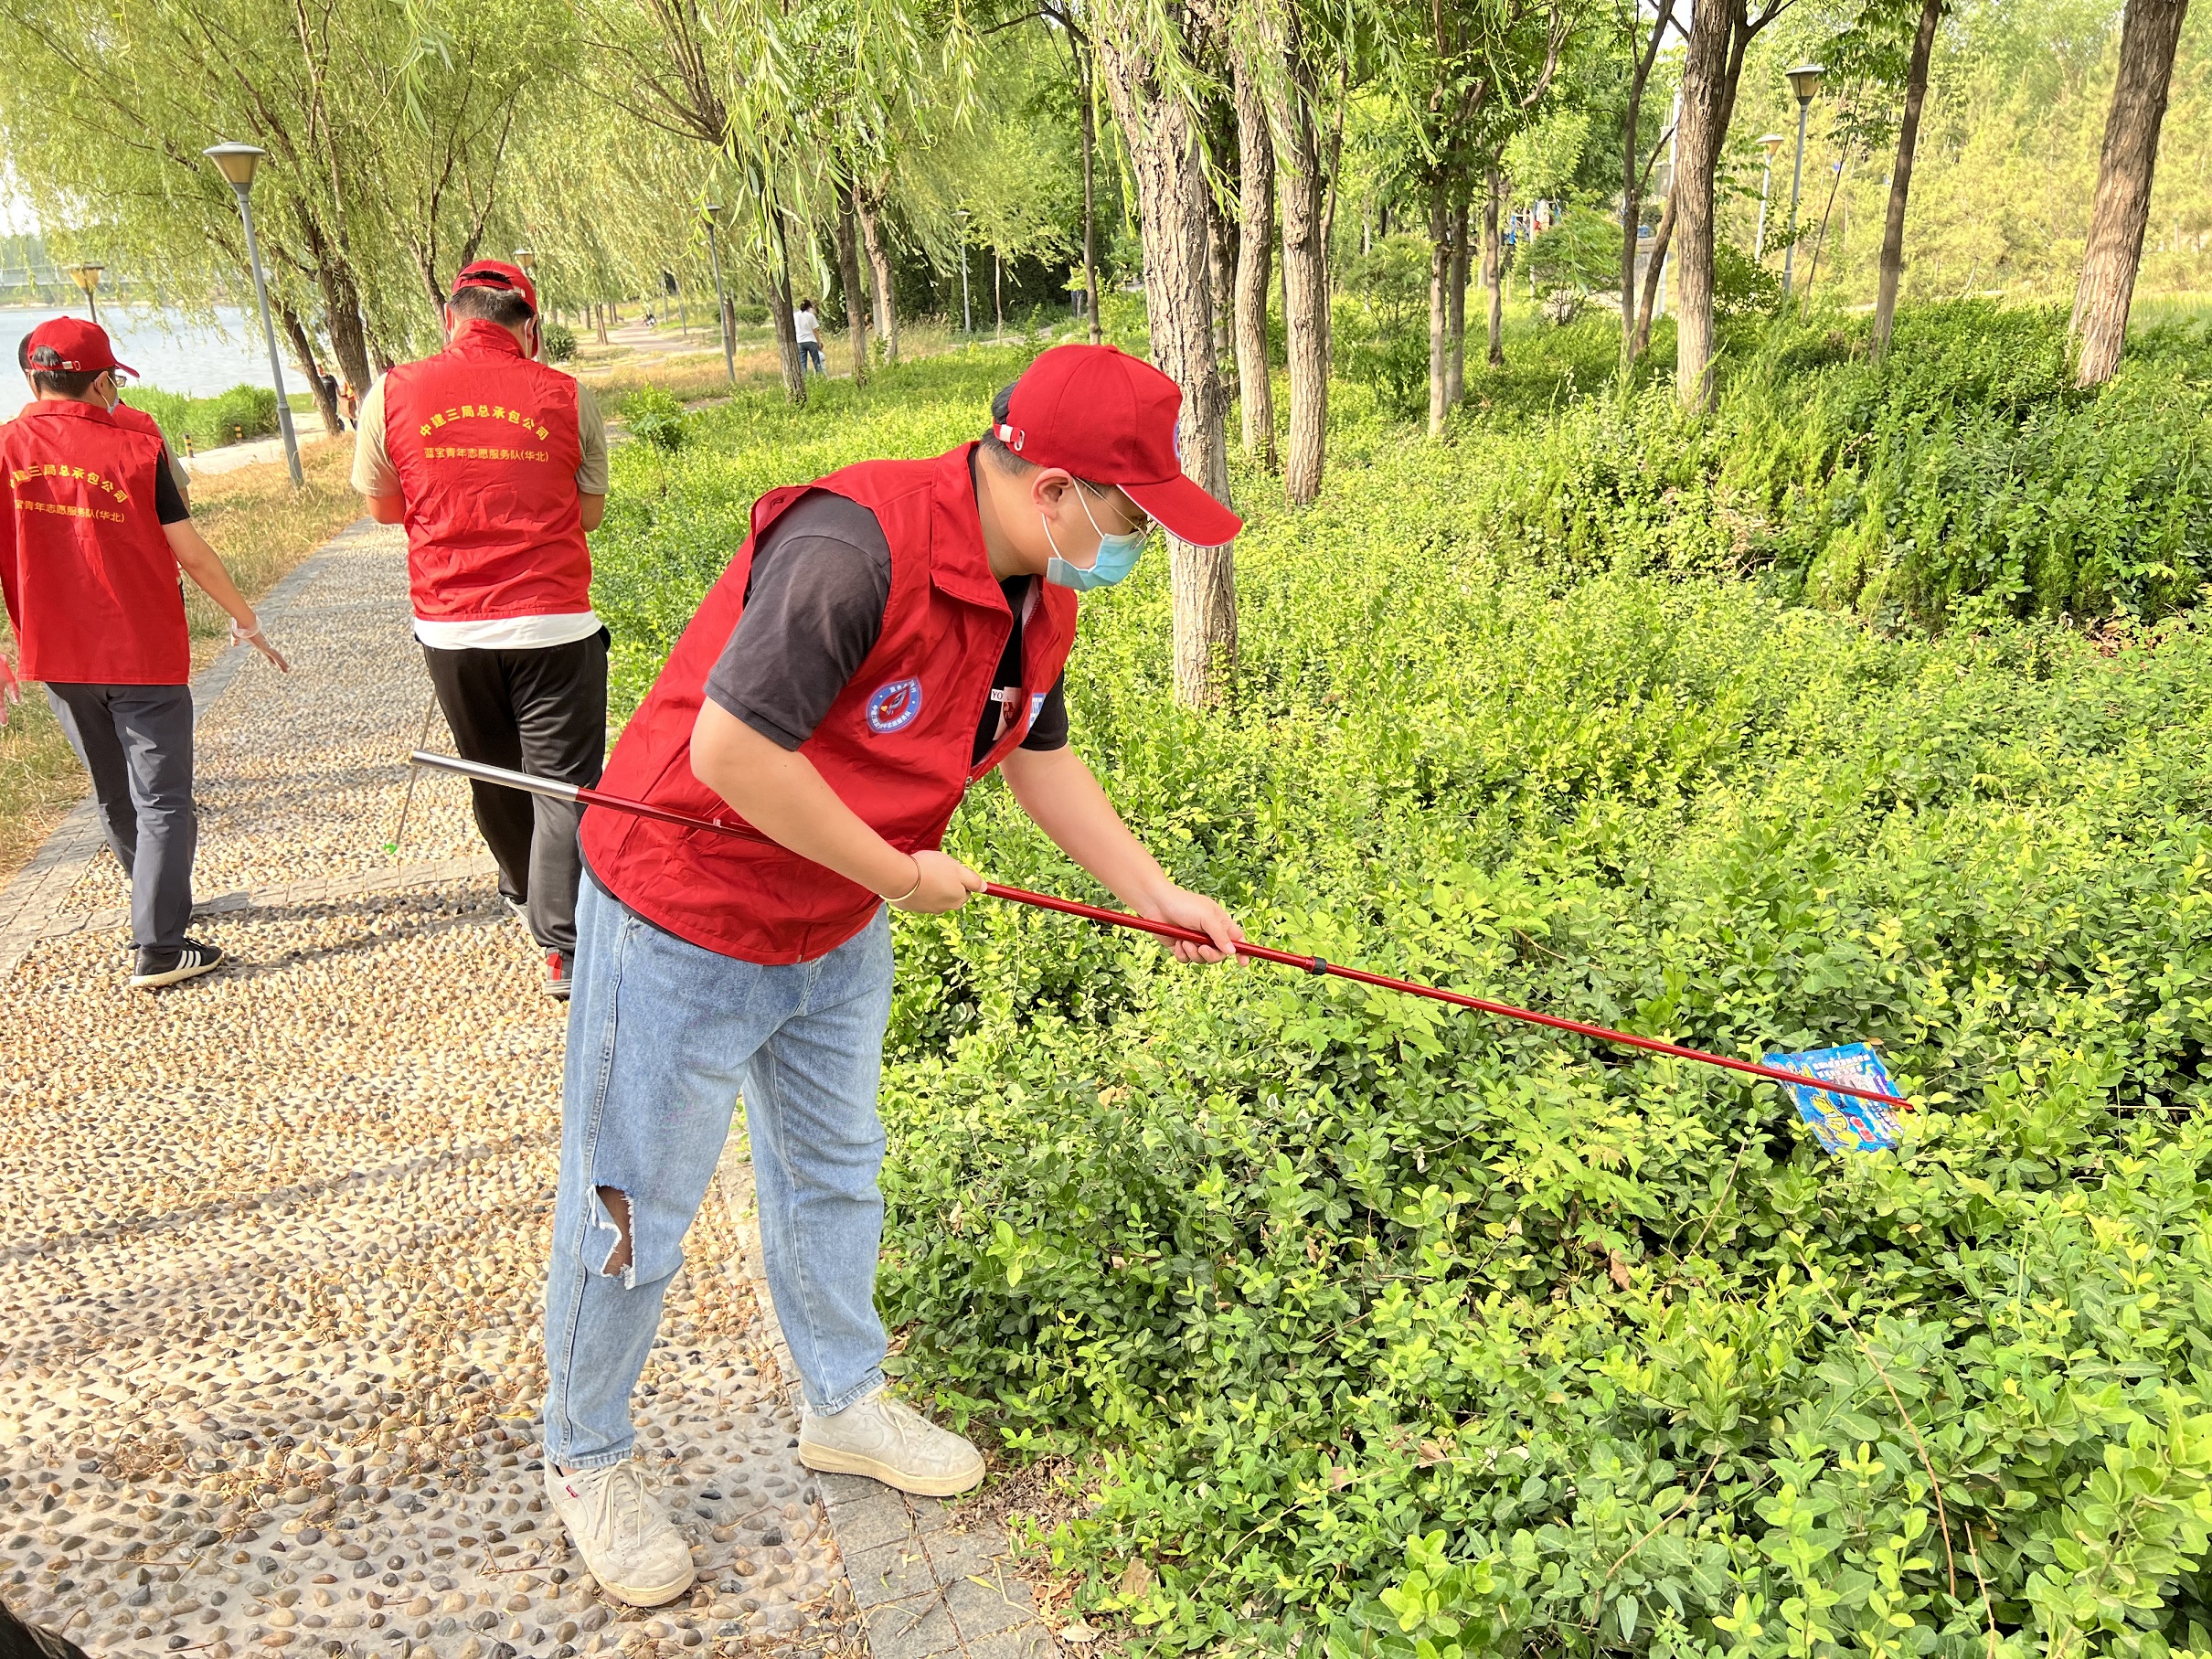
x=886 y=1440
x=626 y=1538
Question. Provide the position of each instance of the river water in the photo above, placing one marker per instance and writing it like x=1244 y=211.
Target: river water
x=195 y=358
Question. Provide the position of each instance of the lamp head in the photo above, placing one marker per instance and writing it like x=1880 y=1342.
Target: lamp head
x=715 y=211
x=1772 y=143
x=526 y=259
x=1804 y=81
x=86 y=277
x=237 y=162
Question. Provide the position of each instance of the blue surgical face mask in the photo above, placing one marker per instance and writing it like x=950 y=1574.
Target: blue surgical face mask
x=1116 y=559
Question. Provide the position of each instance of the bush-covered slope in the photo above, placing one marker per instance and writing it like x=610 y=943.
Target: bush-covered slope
x=1383 y=1325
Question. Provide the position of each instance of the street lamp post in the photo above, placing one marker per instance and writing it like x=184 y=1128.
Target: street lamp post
x=967 y=316
x=1804 y=81
x=86 y=277
x=236 y=162
x=1771 y=144
x=714 y=212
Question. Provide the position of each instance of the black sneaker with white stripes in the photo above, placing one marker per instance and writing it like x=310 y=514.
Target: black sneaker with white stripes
x=156 y=969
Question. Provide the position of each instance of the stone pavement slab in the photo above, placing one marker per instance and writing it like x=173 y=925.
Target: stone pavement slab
x=272 y=1359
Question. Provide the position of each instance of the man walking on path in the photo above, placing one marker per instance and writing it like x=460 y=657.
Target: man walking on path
x=92 y=535
x=807 y=326
x=883 y=639
x=497 y=466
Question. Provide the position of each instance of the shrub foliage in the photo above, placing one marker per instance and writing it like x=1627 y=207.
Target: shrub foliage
x=1381 y=1328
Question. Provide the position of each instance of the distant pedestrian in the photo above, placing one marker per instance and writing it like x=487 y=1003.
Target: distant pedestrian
x=350 y=405
x=93 y=531
x=809 y=329
x=497 y=465
x=329 y=394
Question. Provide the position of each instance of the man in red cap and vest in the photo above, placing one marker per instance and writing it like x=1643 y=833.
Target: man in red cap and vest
x=497 y=465
x=93 y=531
x=885 y=637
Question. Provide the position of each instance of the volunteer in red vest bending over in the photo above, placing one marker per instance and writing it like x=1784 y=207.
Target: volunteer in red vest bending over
x=884 y=638
x=497 y=465
x=93 y=533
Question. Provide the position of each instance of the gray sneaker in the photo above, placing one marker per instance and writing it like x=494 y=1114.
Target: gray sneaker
x=624 y=1536
x=886 y=1440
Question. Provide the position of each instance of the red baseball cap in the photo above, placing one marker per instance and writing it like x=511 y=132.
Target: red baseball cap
x=72 y=345
x=497 y=273
x=1110 y=417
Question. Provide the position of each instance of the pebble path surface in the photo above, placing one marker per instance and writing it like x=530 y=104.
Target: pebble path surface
x=268 y=1313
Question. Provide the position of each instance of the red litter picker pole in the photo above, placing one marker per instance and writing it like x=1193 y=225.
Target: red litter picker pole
x=584 y=797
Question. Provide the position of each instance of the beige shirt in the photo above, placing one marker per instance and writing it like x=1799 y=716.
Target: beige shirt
x=374 y=475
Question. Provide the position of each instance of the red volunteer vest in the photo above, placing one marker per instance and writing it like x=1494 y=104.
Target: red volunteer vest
x=91 y=583
x=486 y=444
x=896 y=745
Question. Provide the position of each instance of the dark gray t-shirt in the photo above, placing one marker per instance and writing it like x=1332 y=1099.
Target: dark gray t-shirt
x=813 y=610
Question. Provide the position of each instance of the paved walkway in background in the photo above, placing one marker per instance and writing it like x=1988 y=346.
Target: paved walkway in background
x=269 y=1316
x=230 y=457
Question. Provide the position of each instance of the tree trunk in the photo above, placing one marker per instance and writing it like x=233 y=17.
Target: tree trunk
x=1222 y=256
x=2122 y=207
x=1087 y=93
x=879 y=267
x=1305 y=254
x=1900 y=177
x=1632 y=182
x=598 y=321
x=342 y=307
x=1494 y=264
x=1255 y=248
x=855 y=297
x=304 y=354
x=1439 y=302
x=1455 y=365
x=1162 y=139
x=1655 y=273
x=1705 y=98
x=780 y=311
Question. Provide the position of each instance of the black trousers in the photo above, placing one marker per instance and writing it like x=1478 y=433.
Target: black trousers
x=542 y=710
x=136 y=741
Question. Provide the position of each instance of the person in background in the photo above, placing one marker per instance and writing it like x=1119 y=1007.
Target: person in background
x=350 y=405
x=808 y=326
x=93 y=531
x=497 y=465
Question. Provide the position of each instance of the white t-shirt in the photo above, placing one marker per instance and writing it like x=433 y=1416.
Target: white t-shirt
x=808 y=325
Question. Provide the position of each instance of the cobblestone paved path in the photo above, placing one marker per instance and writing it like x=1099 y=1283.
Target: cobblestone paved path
x=269 y=1353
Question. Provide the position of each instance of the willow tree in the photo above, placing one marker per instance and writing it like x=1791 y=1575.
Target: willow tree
x=2121 y=209
x=1146 y=60
x=1712 y=68
x=1299 y=66
x=1467 y=75
x=384 y=137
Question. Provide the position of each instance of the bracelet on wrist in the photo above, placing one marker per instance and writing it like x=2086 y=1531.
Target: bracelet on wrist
x=910 y=891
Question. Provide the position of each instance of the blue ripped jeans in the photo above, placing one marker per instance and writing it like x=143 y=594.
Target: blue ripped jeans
x=663 y=1036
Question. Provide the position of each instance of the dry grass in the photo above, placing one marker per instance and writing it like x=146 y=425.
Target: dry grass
x=262 y=528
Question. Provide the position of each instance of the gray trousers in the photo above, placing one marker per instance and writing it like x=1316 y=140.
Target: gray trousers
x=136 y=741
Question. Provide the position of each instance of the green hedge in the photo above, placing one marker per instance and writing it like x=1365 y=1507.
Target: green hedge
x=1375 y=1326
x=249 y=411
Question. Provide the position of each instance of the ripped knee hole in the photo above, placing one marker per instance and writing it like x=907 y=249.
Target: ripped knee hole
x=616 y=1203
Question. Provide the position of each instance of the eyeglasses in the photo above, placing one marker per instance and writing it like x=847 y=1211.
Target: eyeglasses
x=1146 y=524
